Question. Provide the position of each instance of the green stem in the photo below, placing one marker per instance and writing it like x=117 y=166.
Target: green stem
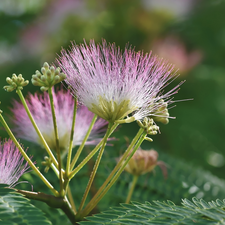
x=139 y=138
x=36 y=128
x=131 y=190
x=67 y=179
x=83 y=143
x=26 y=156
x=95 y=167
x=70 y=196
x=61 y=192
x=69 y=193
x=90 y=155
x=71 y=138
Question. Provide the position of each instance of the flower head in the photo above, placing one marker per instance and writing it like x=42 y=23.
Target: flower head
x=40 y=108
x=11 y=163
x=114 y=84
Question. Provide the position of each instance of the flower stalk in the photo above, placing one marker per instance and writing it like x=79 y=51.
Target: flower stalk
x=71 y=138
x=90 y=155
x=83 y=143
x=131 y=189
x=95 y=167
x=138 y=139
x=79 y=150
x=40 y=175
x=61 y=192
x=37 y=129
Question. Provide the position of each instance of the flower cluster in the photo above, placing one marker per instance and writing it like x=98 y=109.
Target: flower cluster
x=40 y=108
x=11 y=163
x=114 y=84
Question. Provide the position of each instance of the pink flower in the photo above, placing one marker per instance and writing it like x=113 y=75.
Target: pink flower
x=40 y=108
x=114 y=84
x=11 y=163
x=171 y=47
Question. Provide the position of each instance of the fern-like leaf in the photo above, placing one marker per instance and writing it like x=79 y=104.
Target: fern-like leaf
x=192 y=212
x=16 y=209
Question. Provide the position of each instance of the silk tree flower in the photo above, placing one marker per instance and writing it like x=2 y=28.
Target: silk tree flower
x=11 y=163
x=40 y=108
x=114 y=84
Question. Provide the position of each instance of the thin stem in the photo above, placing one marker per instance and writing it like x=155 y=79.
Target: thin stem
x=61 y=192
x=36 y=128
x=139 y=138
x=83 y=142
x=71 y=137
x=119 y=163
x=67 y=179
x=90 y=155
x=131 y=190
x=95 y=167
x=26 y=156
x=69 y=193
x=70 y=196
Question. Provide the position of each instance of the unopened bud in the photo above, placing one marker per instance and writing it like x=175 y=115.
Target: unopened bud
x=160 y=114
x=142 y=162
x=16 y=82
x=148 y=125
x=48 y=77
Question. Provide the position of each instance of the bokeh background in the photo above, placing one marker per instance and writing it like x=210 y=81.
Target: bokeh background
x=188 y=33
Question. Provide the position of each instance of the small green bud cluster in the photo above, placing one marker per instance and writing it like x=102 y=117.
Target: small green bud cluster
x=148 y=125
x=47 y=163
x=16 y=82
x=48 y=77
x=161 y=114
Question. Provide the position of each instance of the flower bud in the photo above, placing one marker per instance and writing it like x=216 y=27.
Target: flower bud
x=142 y=162
x=148 y=125
x=48 y=77
x=16 y=82
x=161 y=113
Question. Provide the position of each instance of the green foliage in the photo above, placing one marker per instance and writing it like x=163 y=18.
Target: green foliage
x=56 y=216
x=17 y=210
x=195 y=212
x=183 y=181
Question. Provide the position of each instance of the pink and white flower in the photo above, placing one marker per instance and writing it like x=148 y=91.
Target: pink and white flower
x=113 y=83
x=11 y=163
x=40 y=108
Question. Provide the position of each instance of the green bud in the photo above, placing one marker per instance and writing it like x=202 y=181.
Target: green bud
x=148 y=125
x=48 y=77
x=148 y=139
x=161 y=113
x=127 y=120
x=47 y=163
x=16 y=82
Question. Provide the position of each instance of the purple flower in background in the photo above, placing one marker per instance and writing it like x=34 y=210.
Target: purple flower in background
x=114 y=84
x=11 y=163
x=40 y=108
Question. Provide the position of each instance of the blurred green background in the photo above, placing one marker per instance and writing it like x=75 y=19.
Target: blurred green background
x=188 y=33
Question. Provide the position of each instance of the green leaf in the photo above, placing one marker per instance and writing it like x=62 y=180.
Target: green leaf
x=192 y=212
x=16 y=209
